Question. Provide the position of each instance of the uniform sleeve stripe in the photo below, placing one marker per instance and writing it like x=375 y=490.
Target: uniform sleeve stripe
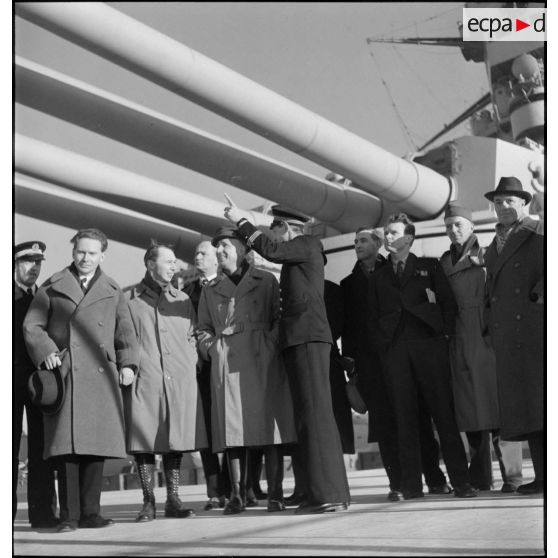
x=253 y=237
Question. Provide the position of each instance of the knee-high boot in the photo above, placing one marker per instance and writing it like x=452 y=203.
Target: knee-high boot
x=146 y=472
x=173 y=506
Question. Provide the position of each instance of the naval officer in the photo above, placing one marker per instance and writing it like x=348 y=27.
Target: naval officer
x=305 y=339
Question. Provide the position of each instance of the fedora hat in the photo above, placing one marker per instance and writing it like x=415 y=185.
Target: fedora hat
x=227 y=231
x=47 y=388
x=509 y=186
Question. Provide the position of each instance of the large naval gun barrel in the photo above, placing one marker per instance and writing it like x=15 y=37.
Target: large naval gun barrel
x=413 y=188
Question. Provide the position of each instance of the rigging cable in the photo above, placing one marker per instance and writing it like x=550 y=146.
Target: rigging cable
x=402 y=124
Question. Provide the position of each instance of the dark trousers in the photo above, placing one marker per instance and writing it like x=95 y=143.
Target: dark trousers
x=414 y=369
x=480 y=459
x=216 y=475
x=382 y=428
x=41 y=493
x=319 y=444
x=79 y=486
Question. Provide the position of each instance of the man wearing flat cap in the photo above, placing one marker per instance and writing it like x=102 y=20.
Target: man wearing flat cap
x=251 y=405
x=473 y=364
x=514 y=320
x=82 y=312
x=305 y=338
x=41 y=495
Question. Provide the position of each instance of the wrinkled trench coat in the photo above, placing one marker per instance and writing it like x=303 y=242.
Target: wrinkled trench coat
x=238 y=330
x=97 y=330
x=163 y=405
x=473 y=364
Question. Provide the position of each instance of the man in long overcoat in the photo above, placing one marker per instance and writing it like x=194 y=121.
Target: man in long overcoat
x=305 y=339
x=216 y=474
x=250 y=398
x=473 y=363
x=514 y=319
x=413 y=314
x=41 y=494
x=357 y=337
x=82 y=310
x=164 y=413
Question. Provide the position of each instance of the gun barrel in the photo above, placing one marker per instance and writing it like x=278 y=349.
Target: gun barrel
x=421 y=192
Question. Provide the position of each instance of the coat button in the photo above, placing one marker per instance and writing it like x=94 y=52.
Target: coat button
x=163 y=330
x=518 y=345
x=496 y=324
x=518 y=317
x=493 y=299
x=101 y=323
x=101 y=369
x=101 y=345
x=517 y=291
x=516 y=264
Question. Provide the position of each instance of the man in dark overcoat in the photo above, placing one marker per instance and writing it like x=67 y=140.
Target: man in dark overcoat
x=412 y=316
x=305 y=339
x=216 y=475
x=514 y=319
x=41 y=494
x=84 y=312
x=382 y=427
x=473 y=364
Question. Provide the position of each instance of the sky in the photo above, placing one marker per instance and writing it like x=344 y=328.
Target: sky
x=312 y=53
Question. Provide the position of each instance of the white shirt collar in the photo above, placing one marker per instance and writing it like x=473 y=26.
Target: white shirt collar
x=25 y=287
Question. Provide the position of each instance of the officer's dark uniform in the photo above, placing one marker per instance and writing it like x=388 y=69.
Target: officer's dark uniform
x=410 y=335
x=305 y=339
x=41 y=495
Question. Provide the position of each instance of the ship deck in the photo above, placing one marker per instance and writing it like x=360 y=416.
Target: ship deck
x=493 y=524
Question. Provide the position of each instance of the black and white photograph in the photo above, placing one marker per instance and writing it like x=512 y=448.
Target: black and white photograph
x=279 y=279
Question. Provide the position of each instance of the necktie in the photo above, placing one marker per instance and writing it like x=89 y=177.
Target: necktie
x=82 y=284
x=400 y=269
x=204 y=282
x=29 y=293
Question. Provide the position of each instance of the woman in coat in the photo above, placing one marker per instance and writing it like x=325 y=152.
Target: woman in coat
x=251 y=401
x=164 y=413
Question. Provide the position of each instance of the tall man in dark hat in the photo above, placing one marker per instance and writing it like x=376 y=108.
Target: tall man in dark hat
x=41 y=494
x=514 y=320
x=473 y=364
x=412 y=316
x=83 y=312
x=357 y=344
x=305 y=338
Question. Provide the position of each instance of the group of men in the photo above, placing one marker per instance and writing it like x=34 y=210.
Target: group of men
x=432 y=341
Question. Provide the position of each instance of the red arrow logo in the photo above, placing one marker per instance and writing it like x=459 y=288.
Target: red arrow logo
x=519 y=24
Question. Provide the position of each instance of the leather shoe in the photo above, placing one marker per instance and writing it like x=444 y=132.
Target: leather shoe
x=440 y=489
x=212 y=504
x=534 y=487
x=322 y=508
x=251 y=502
x=412 y=495
x=234 y=505
x=94 y=522
x=66 y=527
x=295 y=499
x=173 y=508
x=148 y=512
x=275 y=506
x=508 y=488
x=45 y=523
x=395 y=496
x=465 y=491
